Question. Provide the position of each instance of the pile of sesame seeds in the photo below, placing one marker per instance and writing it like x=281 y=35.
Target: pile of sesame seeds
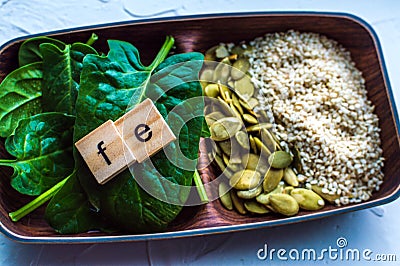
x=312 y=89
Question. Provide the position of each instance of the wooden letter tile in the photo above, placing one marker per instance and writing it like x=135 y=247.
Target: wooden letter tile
x=144 y=130
x=105 y=152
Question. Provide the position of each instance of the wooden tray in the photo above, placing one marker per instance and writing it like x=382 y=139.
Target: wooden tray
x=197 y=33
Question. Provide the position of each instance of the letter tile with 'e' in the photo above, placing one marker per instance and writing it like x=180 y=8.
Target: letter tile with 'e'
x=144 y=130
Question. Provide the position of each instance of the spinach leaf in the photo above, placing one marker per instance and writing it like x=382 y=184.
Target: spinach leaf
x=29 y=52
x=61 y=75
x=20 y=94
x=42 y=147
x=111 y=84
x=74 y=214
x=61 y=69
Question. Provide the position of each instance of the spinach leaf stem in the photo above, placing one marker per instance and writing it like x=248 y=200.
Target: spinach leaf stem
x=37 y=202
x=200 y=187
x=93 y=38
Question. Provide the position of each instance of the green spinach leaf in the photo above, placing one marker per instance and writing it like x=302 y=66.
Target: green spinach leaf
x=20 y=94
x=61 y=75
x=74 y=214
x=109 y=86
x=42 y=147
x=29 y=52
x=37 y=167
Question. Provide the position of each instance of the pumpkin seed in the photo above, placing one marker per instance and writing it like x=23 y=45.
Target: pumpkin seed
x=250 y=161
x=212 y=117
x=287 y=190
x=240 y=67
x=307 y=199
x=245 y=179
x=258 y=127
x=235 y=167
x=228 y=97
x=252 y=144
x=210 y=54
x=249 y=194
x=272 y=179
x=244 y=104
x=212 y=90
x=280 y=159
x=225 y=196
x=226 y=147
x=237 y=50
x=223 y=107
x=261 y=147
x=207 y=75
x=255 y=207
x=284 y=204
x=252 y=102
x=222 y=73
x=221 y=51
x=290 y=177
x=224 y=91
x=263 y=166
x=278 y=146
x=237 y=113
x=263 y=198
x=250 y=119
x=225 y=158
x=246 y=107
x=236 y=103
x=243 y=140
x=237 y=202
x=236 y=150
x=230 y=84
x=225 y=128
x=244 y=87
x=268 y=140
x=328 y=197
x=262 y=116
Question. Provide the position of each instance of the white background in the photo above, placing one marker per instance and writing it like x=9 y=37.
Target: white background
x=376 y=229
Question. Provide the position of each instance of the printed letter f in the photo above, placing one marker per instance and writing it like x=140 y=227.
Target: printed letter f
x=101 y=151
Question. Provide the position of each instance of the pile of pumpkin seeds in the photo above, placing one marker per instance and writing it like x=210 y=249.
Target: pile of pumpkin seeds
x=259 y=174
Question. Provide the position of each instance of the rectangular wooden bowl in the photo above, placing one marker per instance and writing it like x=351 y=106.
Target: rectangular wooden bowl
x=198 y=33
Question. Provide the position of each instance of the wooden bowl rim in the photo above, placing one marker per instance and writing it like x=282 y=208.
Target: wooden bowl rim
x=231 y=228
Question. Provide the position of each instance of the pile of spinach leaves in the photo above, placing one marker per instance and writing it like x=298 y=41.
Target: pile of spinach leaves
x=59 y=94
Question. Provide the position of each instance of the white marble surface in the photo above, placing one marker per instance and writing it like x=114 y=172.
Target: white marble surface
x=375 y=229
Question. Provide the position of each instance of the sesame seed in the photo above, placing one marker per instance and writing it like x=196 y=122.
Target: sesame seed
x=317 y=99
